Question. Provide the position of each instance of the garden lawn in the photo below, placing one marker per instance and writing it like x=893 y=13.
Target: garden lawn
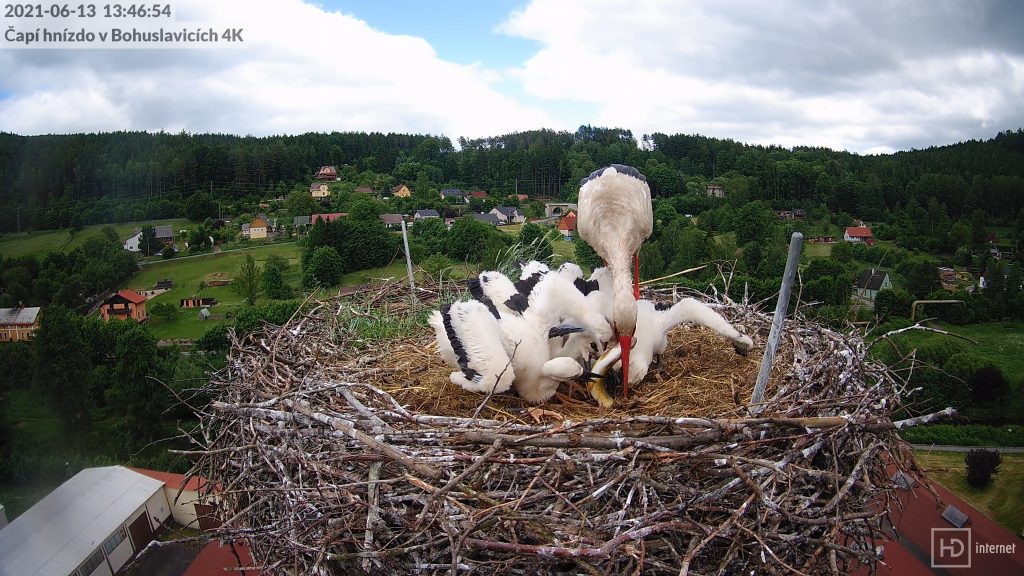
x=1002 y=500
x=187 y=273
x=41 y=242
x=999 y=343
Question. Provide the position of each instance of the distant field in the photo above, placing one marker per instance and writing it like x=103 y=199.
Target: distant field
x=1001 y=343
x=812 y=251
x=26 y=243
x=187 y=273
x=1002 y=500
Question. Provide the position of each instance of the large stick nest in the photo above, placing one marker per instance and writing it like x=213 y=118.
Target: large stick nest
x=337 y=453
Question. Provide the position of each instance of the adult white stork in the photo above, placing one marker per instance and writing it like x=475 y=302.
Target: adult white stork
x=615 y=217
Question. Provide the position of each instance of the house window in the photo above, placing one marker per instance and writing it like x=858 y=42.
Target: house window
x=92 y=563
x=115 y=539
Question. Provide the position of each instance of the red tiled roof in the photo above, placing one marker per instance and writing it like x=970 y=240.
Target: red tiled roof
x=132 y=296
x=911 y=552
x=568 y=222
x=216 y=559
x=172 y=480
x=326 y=217
x=859 y=232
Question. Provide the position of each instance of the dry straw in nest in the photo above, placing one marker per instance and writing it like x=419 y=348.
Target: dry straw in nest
x=334 y=453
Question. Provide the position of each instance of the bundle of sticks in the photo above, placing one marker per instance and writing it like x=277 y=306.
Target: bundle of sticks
x=313 y=459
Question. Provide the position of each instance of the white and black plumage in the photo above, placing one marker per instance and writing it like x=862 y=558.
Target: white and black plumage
x=615 y=217
x=654 y=323
x=468 y=338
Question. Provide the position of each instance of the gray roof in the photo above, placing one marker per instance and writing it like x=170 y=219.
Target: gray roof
x=164 y=231
x=65 y=527
x=427 y=214
x=18 y=315
x=871 y=279
x=301 y=221
x=245 y=227
x=390 y=219
x=508 y=211
x=489 y=218
x=452 y=192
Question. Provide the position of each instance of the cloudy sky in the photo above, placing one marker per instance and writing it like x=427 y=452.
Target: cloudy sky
x=868 y=77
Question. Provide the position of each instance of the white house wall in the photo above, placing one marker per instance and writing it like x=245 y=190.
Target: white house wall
x=119 y=556
x=102 y=570
x=184 y=510
x=159 y=510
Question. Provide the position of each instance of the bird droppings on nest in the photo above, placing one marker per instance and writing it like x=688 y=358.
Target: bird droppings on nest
x=338 y=455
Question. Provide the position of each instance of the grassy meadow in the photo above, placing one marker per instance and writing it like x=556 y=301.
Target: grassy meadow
x=999 y=343
x=27 y=243
x=1002 y=500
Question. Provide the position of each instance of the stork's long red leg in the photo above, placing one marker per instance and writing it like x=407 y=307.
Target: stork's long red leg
x=636 y=275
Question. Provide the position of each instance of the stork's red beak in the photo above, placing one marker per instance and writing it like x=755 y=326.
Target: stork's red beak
x=625 y=343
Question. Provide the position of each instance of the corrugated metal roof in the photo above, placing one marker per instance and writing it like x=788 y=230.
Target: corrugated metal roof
x=57 y=534
x=18 y=315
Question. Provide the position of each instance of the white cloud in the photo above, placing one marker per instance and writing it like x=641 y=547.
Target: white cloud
x=867 y=77
x=300 y=69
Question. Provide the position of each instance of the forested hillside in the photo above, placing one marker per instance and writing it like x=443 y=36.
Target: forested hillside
x=58 y=181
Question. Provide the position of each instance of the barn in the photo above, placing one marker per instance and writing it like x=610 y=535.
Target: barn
x=91 y=525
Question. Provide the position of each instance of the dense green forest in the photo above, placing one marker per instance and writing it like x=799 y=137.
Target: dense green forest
x=58 y=181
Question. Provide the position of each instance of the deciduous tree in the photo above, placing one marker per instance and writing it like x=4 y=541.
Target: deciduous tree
x=247 y=282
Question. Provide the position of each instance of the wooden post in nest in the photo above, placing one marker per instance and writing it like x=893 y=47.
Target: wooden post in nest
x=792 y=261
x=408 y=259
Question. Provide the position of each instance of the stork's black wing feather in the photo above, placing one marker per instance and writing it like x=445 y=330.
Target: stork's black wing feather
x=586 y=286
x=457 y=347
x=477 y=291
x=564 y=330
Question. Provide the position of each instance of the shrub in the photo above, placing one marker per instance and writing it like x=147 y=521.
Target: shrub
x=981 y=465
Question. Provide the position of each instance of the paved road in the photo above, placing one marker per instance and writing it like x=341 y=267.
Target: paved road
x=217 y=250
x=945 y=448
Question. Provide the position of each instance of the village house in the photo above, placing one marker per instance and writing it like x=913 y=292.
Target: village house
x=132 y=244
x=392 y=220
x=125 y=305
x=795 y=214
x=476 y=194
x=520 y=197
x=319 y=190
x=508 y=215
x=486 y=218
x=301 y=224
x=18 y=323
x=401 y=191
x=197 y=302
x=861 y=234
x=327 y=173
x=327 y=217
x=567 y=225
x=258 y=228
x=716 y=191
x=870 y=283
x=424 y=214
x=164 y=234
x=452 y=194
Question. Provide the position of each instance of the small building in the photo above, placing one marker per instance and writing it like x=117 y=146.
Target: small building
x=794 y=214
x=132 y=244
x=453 y=194
x=245 y=230
x=319 y=190
x=509 y=215
x=870 y=282
x=326 y=217
x=300 y=223
x=401 y=191
x=860 y=234
x=392 y=220
x=197 y=302
x=487 y=218
x=365 y=190
x=91 y=525
x=716 y=191
x=165 y=284
x=125 y=305
x=327 y=173
x=164 y=234
x=18 y=323
x=520 y=197
x=567 y=225
x=258 y=228
x=477 y=194
x=424 y=214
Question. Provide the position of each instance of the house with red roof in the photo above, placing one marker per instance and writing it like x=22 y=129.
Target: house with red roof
x=859 y=234
x=326 y=217
x=567 y=225
x=125 y=305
